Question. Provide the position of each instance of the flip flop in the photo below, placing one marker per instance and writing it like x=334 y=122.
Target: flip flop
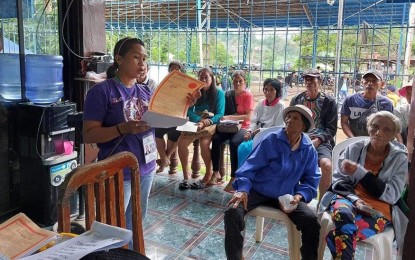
x=197 y=185
x=215 y=180
x=229 y=188
x=184 y=185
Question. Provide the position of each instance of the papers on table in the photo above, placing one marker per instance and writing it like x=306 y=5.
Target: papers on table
x=169 y=103
x=100 y=237
x=20 y=236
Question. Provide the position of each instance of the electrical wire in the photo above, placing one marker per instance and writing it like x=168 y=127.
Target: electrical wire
x=63 y=37
x=37 y=27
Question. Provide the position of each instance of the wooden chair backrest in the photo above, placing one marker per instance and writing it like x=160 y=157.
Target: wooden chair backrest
x=103 y=188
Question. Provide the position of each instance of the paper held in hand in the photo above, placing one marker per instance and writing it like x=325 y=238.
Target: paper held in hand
x=20 y=236
x=169 y=103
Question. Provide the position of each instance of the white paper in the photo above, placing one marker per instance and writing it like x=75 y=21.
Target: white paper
x=188 y=127
x=154 y=119
x=100 y=237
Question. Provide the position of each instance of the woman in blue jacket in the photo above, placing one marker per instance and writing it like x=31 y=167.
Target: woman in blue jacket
x=284 y=162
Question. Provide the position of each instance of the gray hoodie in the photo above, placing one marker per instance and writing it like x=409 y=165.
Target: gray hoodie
x=391 y=178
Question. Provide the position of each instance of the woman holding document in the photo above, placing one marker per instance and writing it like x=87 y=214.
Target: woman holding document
x=242 y=103
x=112 y=117
x=206 y=112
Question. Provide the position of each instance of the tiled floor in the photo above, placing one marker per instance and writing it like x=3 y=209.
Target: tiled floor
x=189 y=225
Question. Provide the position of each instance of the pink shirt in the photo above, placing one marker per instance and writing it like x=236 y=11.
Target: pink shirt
x=245 y=104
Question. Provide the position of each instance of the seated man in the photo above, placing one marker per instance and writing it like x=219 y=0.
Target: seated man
x=324 y=110
x=285 y=162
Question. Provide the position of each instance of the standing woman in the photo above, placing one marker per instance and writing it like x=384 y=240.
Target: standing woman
x=207 y=111
x=244 y=111
x=112 y=117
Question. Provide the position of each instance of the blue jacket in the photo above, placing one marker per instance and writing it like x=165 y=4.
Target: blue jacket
x=273 y=170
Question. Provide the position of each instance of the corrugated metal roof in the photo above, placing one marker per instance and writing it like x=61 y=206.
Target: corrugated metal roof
x=181 y=14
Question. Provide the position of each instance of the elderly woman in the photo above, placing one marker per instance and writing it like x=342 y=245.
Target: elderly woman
x=241 y=102
x=284 y=162
x=367 y=184
x=206 y=112
x=267 y=113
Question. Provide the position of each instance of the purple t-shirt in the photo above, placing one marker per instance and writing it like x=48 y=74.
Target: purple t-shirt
x=111 y=103
x=356 y=104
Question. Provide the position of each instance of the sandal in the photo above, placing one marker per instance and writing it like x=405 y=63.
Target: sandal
x=198 y=185
x=215 y=180
x=184 y=185
x=229 y=187
x=161 y=165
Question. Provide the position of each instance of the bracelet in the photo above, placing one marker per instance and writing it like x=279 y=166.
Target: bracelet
x=118 y=129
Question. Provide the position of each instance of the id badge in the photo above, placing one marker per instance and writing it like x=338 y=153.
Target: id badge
x=149 y=146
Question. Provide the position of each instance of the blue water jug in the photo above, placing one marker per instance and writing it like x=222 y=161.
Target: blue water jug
x=44 y=84
x=10 y=87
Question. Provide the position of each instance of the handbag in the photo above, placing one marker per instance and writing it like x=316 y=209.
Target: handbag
x=229 y=128
x=230 y=109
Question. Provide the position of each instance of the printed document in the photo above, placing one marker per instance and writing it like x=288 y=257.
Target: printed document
x=169 y=103
x=20 y=236
x=100 y=237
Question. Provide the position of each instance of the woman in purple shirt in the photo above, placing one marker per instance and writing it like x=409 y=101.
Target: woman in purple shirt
x=112 y=117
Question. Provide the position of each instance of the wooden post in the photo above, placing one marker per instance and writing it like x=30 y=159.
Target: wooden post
x=174 y=161
x=196 y=160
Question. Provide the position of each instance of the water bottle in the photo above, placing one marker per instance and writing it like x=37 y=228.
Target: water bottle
x=10 y=87
x=44 y=84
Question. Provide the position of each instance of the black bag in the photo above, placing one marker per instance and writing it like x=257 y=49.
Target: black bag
x=230 y=102
x=228 y=128
x=230 y=109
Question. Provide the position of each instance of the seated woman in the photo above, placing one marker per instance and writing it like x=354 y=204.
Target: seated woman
x=166 y=150
x=367 y=183
x=211 y=102
x=244 y=103
x=285 y=162
x=267 y=113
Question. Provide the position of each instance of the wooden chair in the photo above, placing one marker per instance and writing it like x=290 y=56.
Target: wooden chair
x=103 y=187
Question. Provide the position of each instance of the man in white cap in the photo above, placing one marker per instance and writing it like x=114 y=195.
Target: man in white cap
x=324 y=110
x=284 y=162
x=357 y=107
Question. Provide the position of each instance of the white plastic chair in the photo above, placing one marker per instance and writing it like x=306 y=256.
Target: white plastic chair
x=382 y=243
x=294 y=236
x=262 y=212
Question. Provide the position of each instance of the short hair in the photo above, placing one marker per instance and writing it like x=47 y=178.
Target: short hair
x=178 y=64
x=388 y=115
x=240 y=73
x=276 y=84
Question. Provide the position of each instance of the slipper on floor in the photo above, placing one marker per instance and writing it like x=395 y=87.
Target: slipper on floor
x=184 y=185
x=215 y=181
x=197 y=185
x=229 y=188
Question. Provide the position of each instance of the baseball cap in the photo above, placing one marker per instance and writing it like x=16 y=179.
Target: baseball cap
x=391 y=88
x=376 y=73
x=315 y=73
